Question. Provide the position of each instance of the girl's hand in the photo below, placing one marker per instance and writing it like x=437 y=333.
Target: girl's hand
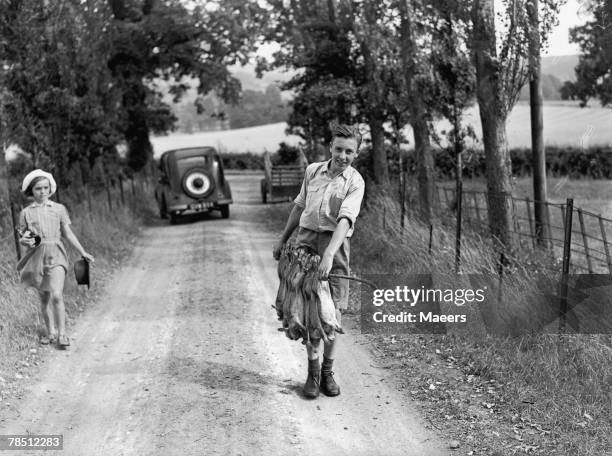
x=88 y=257
x=27 y=241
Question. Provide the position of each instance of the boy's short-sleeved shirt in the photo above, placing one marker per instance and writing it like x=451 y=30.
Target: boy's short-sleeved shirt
x=325 y=200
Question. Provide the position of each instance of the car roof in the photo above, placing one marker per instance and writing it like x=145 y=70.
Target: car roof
x=191 y=152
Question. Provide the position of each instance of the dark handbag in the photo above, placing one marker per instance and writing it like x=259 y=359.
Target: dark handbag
x=81 y=272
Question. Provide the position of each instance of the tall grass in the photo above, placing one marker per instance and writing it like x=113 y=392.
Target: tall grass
x=567 y=377
x=106 y=234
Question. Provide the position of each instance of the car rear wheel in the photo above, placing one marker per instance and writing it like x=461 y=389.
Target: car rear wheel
x=225 y=211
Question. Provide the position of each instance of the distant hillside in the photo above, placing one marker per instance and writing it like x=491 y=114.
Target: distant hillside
x=555 y=71
x=246 y=75
x=262 y=103
x=560 y=66
x=565 y=124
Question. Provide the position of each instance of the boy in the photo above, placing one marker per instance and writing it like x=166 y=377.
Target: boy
x=325 y=211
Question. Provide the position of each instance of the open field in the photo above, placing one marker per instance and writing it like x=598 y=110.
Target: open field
x=565 y=124
x=591 y=195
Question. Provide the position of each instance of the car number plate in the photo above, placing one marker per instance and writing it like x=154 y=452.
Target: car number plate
x=200 y=206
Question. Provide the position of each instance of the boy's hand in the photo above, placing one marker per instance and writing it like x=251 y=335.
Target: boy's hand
x=325 y=266
x=276 y=251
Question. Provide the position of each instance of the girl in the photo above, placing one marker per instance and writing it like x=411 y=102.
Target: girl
x=42 y=224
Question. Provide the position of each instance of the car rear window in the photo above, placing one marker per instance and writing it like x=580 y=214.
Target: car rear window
x=184 y=164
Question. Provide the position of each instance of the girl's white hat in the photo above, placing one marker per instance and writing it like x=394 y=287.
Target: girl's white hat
x=39 y=173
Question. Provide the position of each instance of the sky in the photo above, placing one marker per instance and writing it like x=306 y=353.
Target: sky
x=571 y=14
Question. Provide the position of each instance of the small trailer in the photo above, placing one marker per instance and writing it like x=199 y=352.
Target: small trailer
x=281 y=182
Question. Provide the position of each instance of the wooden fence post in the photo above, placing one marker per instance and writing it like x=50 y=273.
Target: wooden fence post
x=605 y=243
x=89 y=201
x=515 y=221
x=108 y=194
x=500 y=270
x=121 y=190
x=15 y=234
x=585 y=240
x=567 y=251
x=403 y=193
x=531 y=223
x=458 y=228
x=384 y=218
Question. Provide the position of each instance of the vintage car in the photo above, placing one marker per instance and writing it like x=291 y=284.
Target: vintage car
x=191 y=181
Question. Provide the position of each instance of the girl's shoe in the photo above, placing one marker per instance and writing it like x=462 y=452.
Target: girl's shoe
x=53 y=338
x=63 y=341
x=44 y=340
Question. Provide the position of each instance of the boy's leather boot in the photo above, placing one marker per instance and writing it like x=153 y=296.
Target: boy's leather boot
x=329 y=387
x=311 y=387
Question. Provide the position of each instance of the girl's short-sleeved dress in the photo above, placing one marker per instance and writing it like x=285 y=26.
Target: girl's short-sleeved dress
x=45 y=220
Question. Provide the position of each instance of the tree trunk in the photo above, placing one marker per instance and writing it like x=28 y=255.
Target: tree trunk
x=499 y=184
x=379 y=155
x=422 y=144
x=538 y=153
x=493 y=119
x=425 y=165
x=374 y=99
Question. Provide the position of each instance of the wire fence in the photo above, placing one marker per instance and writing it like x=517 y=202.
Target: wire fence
x=590 y=243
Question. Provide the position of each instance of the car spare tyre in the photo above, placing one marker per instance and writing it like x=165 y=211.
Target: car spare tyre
x=198 y=183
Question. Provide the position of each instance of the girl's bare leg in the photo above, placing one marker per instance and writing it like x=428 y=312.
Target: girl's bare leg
x=47 y=313
x=58 y=276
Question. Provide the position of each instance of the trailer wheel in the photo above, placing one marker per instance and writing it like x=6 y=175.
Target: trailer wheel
x=225 y=211
x=163 y=214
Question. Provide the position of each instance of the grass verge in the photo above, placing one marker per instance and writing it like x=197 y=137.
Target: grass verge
x=529 y=394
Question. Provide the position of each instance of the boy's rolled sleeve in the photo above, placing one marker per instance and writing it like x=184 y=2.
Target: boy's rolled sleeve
x=352 y=202
x=300 y=200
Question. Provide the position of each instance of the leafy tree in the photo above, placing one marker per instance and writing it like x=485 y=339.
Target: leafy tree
x=417 y=23
x=501 y=71
x=339 y=47
x=58 y=101
x=593 y=77
x=316 y=40
x=152 y=39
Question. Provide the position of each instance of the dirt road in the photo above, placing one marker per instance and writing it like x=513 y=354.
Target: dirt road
x=183 y=357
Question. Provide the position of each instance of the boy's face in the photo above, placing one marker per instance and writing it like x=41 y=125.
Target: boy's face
x=41 y=190
x=343 y=152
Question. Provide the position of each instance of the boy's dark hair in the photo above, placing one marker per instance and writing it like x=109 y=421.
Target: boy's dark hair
x=28 y=191
x=345 y=131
